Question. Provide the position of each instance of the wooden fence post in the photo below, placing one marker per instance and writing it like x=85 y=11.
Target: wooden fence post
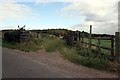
x=117 y=46
x=90 y=35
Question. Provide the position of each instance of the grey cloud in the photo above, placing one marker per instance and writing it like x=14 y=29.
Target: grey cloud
x=106 y=27
x=98 y=27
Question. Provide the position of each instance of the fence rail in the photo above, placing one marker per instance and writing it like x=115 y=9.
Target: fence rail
x=102 y=38
x=99 y=46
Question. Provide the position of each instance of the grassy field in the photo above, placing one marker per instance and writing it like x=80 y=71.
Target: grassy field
x=106 y=43
x=76 y=55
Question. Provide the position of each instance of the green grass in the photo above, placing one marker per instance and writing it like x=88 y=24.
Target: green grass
x=106 y=43
x=49 y=44
x=23 y=47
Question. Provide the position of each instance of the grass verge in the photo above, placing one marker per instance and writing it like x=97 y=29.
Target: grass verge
x=22 y=47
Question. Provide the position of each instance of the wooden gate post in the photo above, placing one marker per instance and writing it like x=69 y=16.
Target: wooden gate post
x=117 y=46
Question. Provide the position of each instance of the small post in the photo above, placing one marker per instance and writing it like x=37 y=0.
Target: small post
x=90 y=35
x=112 y=46
x=78 y=38
x=99 y=43
x=90 y=30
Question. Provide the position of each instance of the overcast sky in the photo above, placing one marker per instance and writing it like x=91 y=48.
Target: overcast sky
x=70 y=14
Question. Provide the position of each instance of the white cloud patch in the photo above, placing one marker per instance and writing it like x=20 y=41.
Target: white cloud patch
x=13 y=10
x=102 y=13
